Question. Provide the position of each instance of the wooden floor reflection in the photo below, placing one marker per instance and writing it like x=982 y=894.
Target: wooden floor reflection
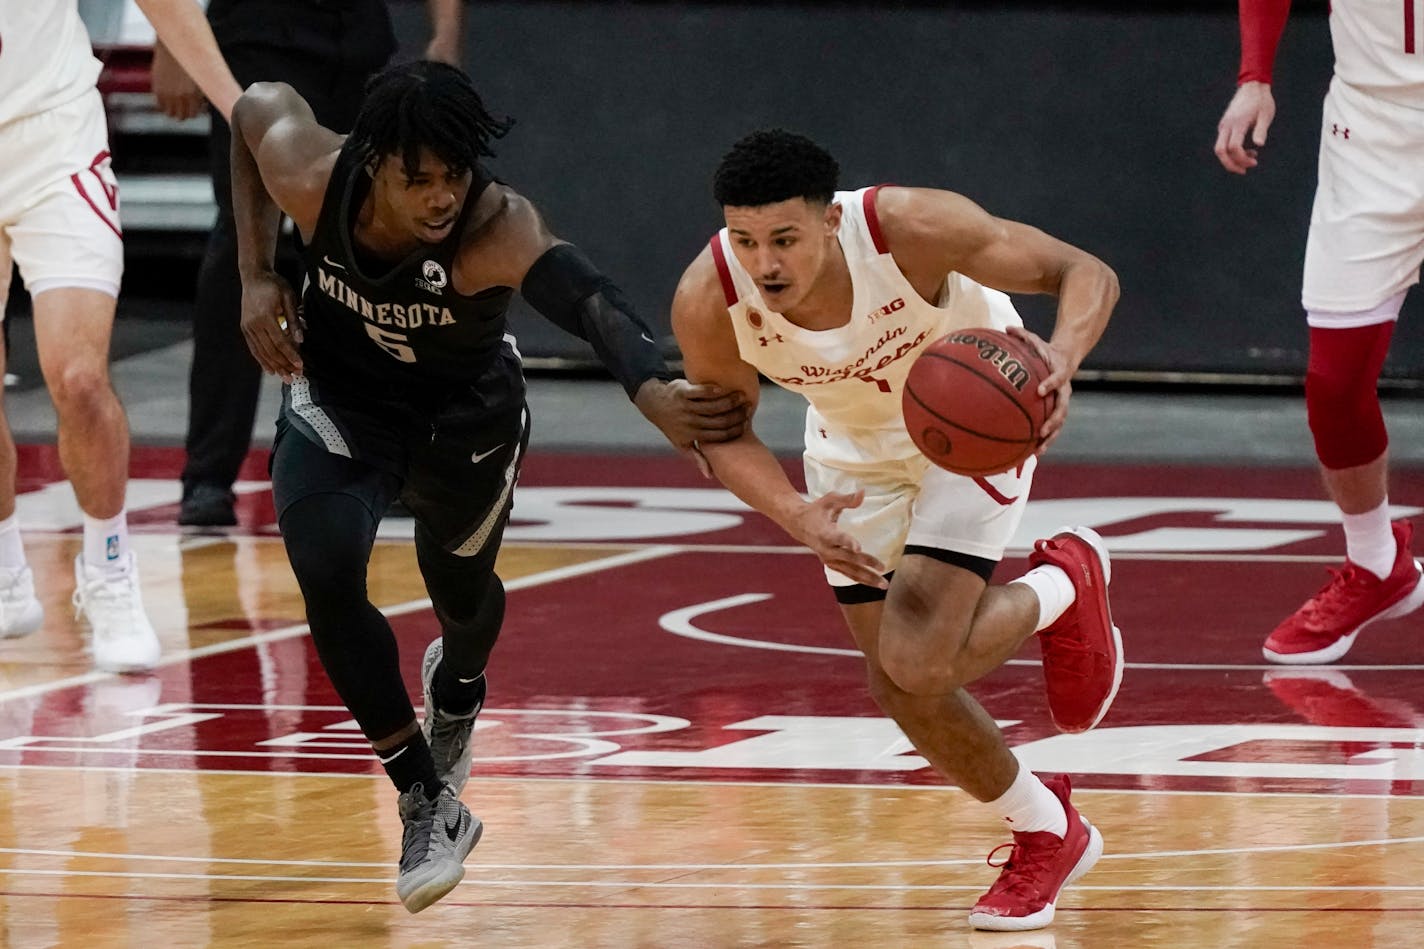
x=195 y=859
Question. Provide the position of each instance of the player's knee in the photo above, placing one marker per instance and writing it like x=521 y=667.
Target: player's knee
x=471 y=621
x=1341 y=394
x=1345 y=421
x=915 y=645
x=917 y=666
x=325 y=578
x=80 y=387
x=903 y=698
x=332 y=577
x=920 y=676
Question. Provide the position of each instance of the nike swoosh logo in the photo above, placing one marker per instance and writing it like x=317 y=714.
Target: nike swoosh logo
x=480 y=456
x=331 y=263
x=453 y=830
x=648 y=338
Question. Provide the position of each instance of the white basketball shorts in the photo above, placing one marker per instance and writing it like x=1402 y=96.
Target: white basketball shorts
x=59 y=201
x=1366 y=238
x=914 y=503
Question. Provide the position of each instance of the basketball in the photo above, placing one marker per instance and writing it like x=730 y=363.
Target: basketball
x=971 y=401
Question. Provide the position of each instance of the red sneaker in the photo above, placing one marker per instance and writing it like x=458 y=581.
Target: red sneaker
x=1328 y=697
x=1040 y=865
x=1325 y=628
x=1082 y=650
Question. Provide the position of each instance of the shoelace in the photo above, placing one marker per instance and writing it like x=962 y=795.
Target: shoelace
x=419 y=825
x=1341 y=579
x=106 y=595
x=1070 y=657
x=1022 y=870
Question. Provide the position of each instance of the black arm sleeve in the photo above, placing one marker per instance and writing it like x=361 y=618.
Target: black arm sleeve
x=569 y=290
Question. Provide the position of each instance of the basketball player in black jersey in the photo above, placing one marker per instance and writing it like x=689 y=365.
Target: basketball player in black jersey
x=401 y=381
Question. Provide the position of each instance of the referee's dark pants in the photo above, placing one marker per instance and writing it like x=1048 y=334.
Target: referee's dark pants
x=325 y=50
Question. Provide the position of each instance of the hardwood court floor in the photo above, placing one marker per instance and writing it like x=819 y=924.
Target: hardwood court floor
x=679 y=750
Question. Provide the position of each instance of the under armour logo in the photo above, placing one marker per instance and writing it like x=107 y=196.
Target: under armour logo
x=1338 y=130
x=775 y=338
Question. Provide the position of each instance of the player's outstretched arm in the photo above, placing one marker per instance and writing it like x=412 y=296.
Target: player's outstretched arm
x=1253 y=107
x=744 y=464
x=516 y=249
x=281 y=161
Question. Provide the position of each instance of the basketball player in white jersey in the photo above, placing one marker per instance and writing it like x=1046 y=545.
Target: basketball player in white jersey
x=1362 y=255
x=833 y=294
x=59 y=221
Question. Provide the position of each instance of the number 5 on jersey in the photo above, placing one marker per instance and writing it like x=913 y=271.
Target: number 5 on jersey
x=393 y=343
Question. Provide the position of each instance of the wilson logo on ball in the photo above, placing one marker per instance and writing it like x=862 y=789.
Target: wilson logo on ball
x=995 y=354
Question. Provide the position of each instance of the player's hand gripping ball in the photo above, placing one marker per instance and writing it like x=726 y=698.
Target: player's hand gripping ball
x=971 y=401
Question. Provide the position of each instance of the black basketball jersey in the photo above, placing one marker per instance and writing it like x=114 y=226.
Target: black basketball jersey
x=398 y=330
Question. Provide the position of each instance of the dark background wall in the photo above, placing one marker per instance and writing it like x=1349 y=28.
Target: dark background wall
x=1092 y=121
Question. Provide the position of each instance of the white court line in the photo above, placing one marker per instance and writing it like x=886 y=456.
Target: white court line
x=193 y=541
x=300 y=629
x=688 y=885
x=684 y=546
x=616 y=779
x=680 y=623
x=710 y=867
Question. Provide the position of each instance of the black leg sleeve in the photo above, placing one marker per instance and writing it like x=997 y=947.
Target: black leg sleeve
x=329 y=539
x=469 y=603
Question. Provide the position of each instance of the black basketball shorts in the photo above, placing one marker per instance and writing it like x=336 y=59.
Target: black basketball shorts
x=454 y=465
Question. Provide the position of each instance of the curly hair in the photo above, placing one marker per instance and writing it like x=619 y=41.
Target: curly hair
x=425 y=104
x=772 y=165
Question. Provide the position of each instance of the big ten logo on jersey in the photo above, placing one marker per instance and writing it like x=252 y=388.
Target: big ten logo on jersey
x=432 y=277
x=893 y=306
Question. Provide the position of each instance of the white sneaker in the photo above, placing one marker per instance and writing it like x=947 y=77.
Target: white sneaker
x=124 y=640
x=20 y=611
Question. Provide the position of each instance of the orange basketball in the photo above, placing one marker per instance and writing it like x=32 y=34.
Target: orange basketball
x=971 y=401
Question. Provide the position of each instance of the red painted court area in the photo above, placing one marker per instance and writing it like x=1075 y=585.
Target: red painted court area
x=700 y=645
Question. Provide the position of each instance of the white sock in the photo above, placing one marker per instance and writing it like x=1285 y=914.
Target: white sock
x=1369 y=540
x=1029 y=806
x=12 y=550
x=106 y=542
x=1054 y=591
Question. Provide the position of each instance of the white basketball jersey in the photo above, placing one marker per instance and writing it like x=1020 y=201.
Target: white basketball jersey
x=45 y=57
x=1379 y=48
x=853 y=375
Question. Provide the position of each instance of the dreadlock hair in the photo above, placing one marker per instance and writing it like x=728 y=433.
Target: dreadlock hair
x=425 y=104
x=772 y=165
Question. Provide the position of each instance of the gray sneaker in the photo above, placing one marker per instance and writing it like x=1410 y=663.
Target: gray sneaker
x=447 y=735
x=438 y=835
